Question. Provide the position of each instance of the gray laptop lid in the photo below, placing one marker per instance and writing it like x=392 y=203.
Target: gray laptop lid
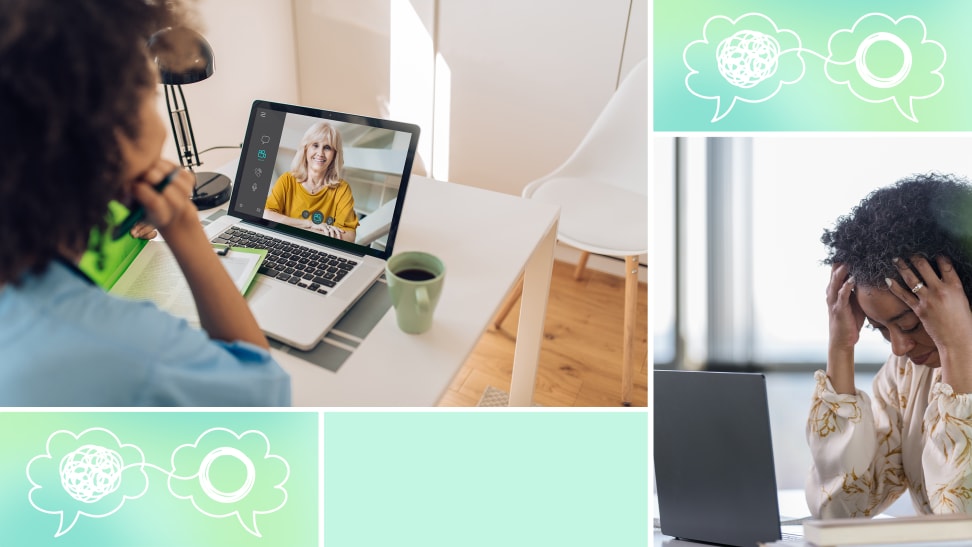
x=714 y=471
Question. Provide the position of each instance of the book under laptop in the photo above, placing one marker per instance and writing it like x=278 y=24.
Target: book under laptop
x=714 y=471
x=309 y=280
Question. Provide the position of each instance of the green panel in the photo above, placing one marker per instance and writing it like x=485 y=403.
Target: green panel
x=829 y=65
x=486 y=478
x=160 y=479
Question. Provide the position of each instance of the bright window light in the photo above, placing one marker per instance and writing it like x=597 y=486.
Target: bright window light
x=440 y=129
x=412 y=73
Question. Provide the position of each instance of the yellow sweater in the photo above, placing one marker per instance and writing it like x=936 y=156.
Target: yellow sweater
x=334 y=206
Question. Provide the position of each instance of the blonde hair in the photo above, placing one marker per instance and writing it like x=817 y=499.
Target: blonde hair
x=324 y=132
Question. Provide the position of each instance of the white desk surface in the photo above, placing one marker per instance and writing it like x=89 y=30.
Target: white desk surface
x=486 y=240
x=793 y=505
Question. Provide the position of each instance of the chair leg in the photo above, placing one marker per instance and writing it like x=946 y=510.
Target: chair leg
x=581 y=265
x=508 y=305
x=630 y=319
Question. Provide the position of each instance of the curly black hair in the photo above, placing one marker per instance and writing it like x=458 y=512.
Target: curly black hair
x=928 y=215
x=72 y=78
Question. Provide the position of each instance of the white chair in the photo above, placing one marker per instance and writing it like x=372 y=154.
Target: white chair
x=602 y=189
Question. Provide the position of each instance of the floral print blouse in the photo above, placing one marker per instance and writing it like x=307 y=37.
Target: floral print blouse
x=915 y=435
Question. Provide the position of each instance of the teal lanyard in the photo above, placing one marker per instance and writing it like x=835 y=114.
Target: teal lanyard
x=74 y=269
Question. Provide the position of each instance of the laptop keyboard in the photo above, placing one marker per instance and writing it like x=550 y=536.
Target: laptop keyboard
x=311 y=269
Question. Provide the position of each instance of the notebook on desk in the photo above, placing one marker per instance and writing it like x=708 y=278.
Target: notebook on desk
x=714 y=471
x=311 y=277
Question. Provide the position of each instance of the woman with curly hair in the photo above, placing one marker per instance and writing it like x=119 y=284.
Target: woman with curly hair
x=901 y=262
x=78 y=95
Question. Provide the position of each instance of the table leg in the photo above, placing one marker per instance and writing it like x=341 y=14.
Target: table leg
x=508 y=305
x=630 y=319
x=533 y=311
x=581 y=265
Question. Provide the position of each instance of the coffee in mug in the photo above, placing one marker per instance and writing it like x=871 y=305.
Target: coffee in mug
x=415 y=281
x=415 y=274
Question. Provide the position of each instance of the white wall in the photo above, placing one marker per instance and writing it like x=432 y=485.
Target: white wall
x=520 y=84
x=636 y=44
x=528 y=79
x=370 y=57
x=255 y=55
x=801 y=185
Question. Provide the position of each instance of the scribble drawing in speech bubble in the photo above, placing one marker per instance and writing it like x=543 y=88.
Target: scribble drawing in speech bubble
x=227 y=474
x=744 y=59
x=91 y=474
x=882 y=59
x=747 y=58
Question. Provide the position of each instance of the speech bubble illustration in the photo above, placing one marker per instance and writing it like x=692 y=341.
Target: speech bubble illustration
x=227 y=474
x=88 y=474
x=745 y=59
x=882 y=59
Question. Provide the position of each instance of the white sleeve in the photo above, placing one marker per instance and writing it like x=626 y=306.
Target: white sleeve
x=856 y=449
x=946 y=457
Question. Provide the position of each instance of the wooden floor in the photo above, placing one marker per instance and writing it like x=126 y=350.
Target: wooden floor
x=580 y=358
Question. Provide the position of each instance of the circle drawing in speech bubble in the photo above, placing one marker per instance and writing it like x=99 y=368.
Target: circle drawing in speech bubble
x=227 y=474
x=869 y=77
x=747 y=58
x=881 y=59
x=215 y=493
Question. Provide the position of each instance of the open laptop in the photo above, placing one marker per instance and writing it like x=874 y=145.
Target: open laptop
x=714 y=471
x=309 y=280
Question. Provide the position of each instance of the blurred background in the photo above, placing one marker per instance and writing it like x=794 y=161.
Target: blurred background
x=738 y=282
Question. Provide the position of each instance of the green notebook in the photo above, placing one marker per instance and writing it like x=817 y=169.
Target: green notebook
x=108 y=260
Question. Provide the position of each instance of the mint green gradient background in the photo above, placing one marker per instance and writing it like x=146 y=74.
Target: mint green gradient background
x=814 y=103
x=158 y=518
x=486 y=479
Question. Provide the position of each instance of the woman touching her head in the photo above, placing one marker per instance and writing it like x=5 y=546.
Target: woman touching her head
x=901 y=264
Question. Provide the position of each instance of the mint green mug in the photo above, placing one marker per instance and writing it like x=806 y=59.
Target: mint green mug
x=415 y=282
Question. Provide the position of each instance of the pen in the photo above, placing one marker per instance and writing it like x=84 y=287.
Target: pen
x=138 y=213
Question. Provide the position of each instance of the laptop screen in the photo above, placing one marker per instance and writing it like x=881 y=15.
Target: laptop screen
x=325 y=176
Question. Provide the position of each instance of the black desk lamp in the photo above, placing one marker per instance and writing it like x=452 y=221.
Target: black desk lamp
x=191 y=62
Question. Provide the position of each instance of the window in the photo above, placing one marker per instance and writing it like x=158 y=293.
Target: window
x=751 y=212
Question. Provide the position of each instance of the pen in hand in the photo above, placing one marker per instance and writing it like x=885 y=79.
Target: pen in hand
x=138 y=213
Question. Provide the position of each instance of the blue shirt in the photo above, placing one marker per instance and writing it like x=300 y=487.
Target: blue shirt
x=65 y=342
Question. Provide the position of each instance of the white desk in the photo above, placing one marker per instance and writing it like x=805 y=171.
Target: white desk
x=793 y=505
x=486 y=240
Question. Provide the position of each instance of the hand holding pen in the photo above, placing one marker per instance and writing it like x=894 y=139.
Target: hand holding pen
x=161 y=197
x=137 y=213
x=223 y=312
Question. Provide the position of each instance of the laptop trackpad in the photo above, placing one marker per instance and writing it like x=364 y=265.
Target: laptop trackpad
x=297 y=318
